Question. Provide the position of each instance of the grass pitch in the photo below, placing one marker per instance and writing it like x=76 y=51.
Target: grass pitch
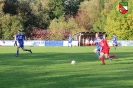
x=50 y=67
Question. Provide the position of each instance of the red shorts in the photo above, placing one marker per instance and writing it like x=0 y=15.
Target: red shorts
x=105 y=51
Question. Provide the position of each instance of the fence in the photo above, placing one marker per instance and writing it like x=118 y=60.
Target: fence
x=38 y=43
x=58 y=43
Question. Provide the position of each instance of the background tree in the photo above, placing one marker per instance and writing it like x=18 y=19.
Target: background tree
x=10 y=26
x=56 y=8
x=72 y=6
x=122 y=26
x=58 y=18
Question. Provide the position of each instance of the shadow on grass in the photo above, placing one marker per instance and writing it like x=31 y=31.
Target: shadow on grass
x=28 y=71
x=55 y=58
x=23 y=79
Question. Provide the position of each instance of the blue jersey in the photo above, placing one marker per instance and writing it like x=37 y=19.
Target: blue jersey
x=97 y=43
x=20 y=38
x=70 y=39
x=114 y=39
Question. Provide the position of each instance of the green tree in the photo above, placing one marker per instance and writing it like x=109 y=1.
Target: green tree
x=120 y=25
x=101 y=22
x=58 y=25
x=10 y=26
x=91 y=8
x=56 y=8
x=72 y=6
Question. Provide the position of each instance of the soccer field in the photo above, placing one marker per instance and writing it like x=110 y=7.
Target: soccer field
x=50 y=67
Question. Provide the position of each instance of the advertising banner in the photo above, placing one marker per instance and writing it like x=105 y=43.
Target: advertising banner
x=53 y=43
x=58 y=43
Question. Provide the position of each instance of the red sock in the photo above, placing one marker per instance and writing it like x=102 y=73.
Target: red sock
x=102 y=59
x=112 y=56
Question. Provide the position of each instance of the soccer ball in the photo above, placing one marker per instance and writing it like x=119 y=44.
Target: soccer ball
x=73 y=62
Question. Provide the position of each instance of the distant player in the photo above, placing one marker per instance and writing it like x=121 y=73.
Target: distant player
x=20 y=38
x=70 y=40
x=96 y=42
x=114 y=41
x=104 y=51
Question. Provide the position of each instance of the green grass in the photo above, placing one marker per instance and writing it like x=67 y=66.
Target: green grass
x=49 y=67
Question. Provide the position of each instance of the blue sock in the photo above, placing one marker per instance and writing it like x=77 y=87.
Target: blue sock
x=17 y=52
x=97 y=53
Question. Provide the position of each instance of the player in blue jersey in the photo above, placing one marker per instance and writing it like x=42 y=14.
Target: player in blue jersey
x=20 y=38
x=70 y=40
x=114 y=41
x=97 y=50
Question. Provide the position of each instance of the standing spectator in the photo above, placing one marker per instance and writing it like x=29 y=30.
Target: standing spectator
x=87 y=42
x=91 y=42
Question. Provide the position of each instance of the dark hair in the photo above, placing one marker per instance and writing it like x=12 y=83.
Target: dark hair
x=19 y=30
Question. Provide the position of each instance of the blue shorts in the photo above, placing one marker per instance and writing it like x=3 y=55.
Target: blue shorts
x=21 y=45
x=69 y=41
x=114 y=43
x=98 y=48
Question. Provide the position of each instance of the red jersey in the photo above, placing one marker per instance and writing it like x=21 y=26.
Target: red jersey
x=104 y=44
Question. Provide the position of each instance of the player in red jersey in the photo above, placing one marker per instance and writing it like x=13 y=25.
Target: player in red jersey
x=104 y=49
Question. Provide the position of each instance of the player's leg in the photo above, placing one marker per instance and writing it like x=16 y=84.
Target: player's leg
x=22 y=46
x=107 y=54
x=71 y=44
x=112 y=56
x=96 y=51
x=114 y=45
x=101 y=57
x=17 y=51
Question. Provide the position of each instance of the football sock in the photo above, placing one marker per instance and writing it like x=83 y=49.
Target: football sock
x=97 y=53
x=102 y=59
x=115 y=47
x=17 y=52
x=27 y=50
x=112 y=56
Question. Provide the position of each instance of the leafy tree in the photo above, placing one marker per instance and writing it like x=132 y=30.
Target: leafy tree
x=72 y=6
x=56 y=8
x=10 y=26
x=120 y=25
x=91 y=8
x=61 y=28
x=101 y=22
x=83 y=20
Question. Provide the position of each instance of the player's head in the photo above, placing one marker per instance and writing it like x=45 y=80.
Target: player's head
x=114 y=34
x=19 y=31
x=97 y=35
x=99 y=38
